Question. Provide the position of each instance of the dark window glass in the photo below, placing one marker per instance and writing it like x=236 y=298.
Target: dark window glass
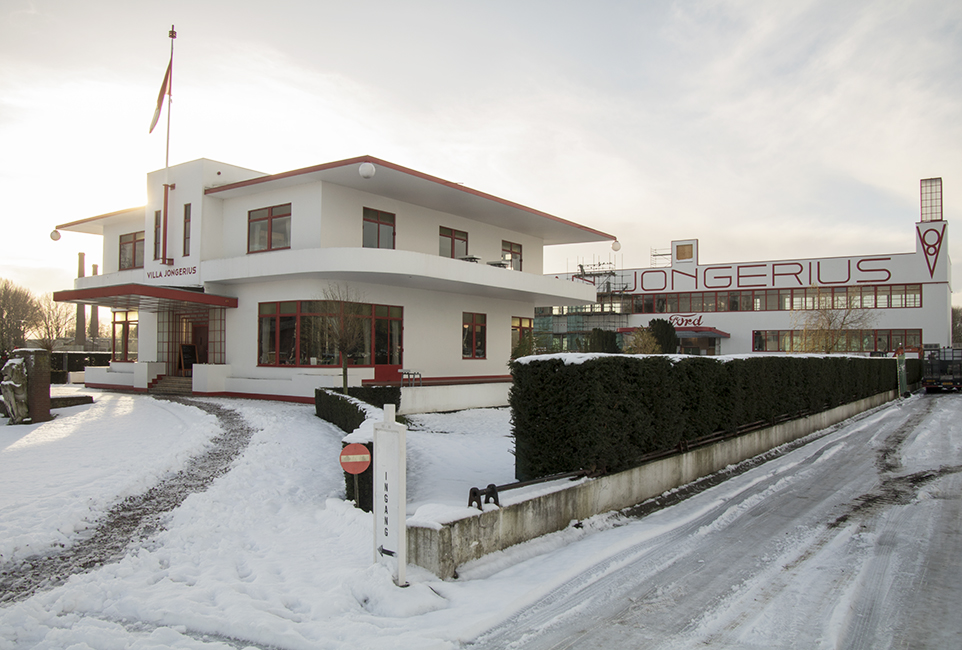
x=132 y=250
x=378 y=229
x=511 y=252
x=473 y=336
x=186 y=229
x=298 y=333
x=125 y=339
x=452 y=243
x=157 y=234
x=269 y=228
x=708 y=302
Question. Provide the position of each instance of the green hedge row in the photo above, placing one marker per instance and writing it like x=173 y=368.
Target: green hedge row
x=377 y=395
x=605 y=413
x=338 y=411
x=332 y=406
x=913 y=371
x=347 y=415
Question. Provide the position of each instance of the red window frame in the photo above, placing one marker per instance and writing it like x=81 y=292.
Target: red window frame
x=268 y=216
x=474 y=343
x=448 y=242
x=121 y=324
x=380 y=220
x=187 y=217
x=157 y=234
x=890 y=296
x=521 y=326
x=514 y=251
x=390 y=318
x=853 y=341
x=134 y=241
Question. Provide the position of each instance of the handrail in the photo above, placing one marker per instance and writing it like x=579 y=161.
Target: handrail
x=491 y=492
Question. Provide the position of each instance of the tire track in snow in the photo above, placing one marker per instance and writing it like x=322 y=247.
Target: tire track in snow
x=584 y=596
x=135 y=518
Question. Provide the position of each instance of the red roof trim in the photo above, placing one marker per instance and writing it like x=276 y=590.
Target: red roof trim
x=163 y=293
x=694 y=330
x=100 y=216
x=410 y=172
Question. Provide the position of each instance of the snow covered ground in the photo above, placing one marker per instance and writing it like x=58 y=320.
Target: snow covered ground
x=271 y=556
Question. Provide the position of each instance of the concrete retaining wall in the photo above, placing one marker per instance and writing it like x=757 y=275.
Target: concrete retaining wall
x=433 y=399
x=442 y=549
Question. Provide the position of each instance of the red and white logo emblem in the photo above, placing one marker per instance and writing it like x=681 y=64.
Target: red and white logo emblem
x=931 y=239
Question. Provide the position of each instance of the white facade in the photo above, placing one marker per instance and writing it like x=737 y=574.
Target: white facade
x=740 y=307
x=213 y=288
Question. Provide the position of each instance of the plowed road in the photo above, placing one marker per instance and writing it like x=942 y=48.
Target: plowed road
x=850 y=541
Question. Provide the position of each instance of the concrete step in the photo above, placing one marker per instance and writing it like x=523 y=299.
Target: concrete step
x=173 y=386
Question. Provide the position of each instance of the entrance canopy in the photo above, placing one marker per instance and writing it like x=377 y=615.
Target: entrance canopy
x=701 y=333
x=140 y=297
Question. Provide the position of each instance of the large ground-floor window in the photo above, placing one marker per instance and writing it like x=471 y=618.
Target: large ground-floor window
x=124 y=336
x=847 y=341
x=305 y=333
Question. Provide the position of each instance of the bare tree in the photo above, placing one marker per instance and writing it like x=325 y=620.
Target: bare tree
x=827 y=318
x=18 y=315
x=641 y=341
x=347 y=328
x=54 y=320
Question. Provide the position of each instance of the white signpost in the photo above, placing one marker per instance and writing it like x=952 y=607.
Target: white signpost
x=390 y=495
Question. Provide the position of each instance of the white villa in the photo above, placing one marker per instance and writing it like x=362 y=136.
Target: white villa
x=225 y=276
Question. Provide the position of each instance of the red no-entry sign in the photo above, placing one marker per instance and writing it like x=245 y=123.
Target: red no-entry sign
x=355 y=458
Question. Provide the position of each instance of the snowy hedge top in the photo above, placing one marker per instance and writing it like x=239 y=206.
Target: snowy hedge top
x=578 y=358
x=372 y=414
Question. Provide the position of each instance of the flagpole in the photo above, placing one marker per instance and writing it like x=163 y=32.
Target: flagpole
x=170 y=88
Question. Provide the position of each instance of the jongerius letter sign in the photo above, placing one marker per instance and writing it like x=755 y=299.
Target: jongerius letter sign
x=390 y=495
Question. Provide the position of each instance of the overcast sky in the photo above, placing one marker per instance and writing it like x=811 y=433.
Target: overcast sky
x=767 y=130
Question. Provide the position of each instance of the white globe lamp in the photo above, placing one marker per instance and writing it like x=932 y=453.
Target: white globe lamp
x=616 y=246
x=366 y=170
x=55 y=235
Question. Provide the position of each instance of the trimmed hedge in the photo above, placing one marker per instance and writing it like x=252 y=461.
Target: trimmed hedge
x=332 y=407
x=913 y=371
x=343 y=413
x=377 y=395
x=607 y=412
x=337 y=410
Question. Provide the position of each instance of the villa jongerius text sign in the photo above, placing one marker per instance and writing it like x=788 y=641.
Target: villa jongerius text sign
x=390 y=495
x=173 y=272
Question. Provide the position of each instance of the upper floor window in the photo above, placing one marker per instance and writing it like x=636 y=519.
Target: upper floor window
x=157 y=235
x=378 y=229
x=511 y=252
x=269 y=229
x=132 y=250
x=186 y=229
x=473 y=336
x=453 y=243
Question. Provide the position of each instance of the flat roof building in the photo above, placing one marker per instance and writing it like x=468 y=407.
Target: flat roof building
x=230 y=277
x=890 y=300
